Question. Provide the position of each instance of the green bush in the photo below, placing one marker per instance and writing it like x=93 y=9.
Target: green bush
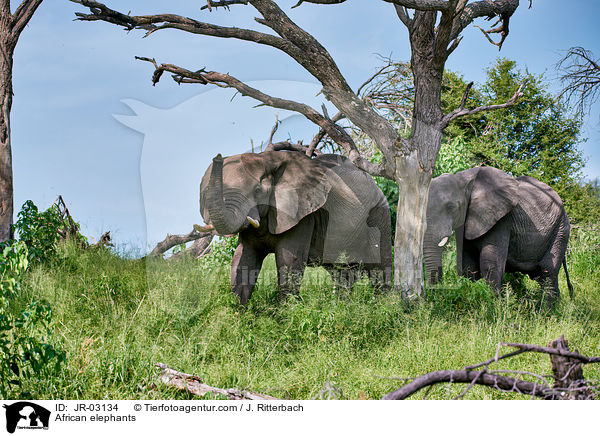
x=39 y=231
x=26 y=351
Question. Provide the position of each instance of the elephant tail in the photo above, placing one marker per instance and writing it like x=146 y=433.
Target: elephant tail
x=567 y=275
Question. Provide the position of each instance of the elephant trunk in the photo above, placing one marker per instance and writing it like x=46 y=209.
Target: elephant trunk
x=432 y=254
x=223 y=221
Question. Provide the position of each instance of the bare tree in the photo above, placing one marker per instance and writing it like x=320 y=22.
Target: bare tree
x=580 y=77
x=11 y=26
x=434 y=28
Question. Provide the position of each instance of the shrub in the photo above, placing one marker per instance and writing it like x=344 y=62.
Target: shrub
x=26 y=352
x=39 y=231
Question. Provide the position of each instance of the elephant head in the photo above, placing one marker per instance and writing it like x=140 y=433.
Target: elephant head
x=471 y=202
x=273 y=189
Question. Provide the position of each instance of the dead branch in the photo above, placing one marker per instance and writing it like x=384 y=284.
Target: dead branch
x=69 y=228
x=566 y=367
x=580 y=76
x=194 y=385
x=461 y=111
x=171 y=241
x=335 y=132
x=199 y=248
x=292 y=40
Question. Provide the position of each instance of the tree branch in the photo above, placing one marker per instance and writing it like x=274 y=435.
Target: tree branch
x=172 y=240
x=569 y=382
x=423 y=5
x=555 y=351
x=22 y=16
x=294 y=41
x=335 y=132
x=153 y=23
x=505 y=384
x=461 y=111
x=504 y=9
x=580 y=78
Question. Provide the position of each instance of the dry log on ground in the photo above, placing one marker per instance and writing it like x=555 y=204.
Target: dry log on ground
x=194 y=385
x=569 y=382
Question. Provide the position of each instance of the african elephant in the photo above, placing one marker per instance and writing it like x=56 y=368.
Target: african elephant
x=307 y=211
x=502 y=225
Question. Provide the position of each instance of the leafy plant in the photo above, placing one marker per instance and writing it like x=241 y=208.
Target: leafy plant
x=39 y=231
x=26 y=352
x=221 y=253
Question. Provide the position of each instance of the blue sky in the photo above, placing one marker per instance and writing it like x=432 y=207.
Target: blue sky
x=127 y=156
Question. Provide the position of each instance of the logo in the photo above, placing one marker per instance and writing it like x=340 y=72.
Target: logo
x=26 y=415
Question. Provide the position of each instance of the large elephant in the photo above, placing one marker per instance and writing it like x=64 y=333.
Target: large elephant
x=307 y=211
x=502 y=225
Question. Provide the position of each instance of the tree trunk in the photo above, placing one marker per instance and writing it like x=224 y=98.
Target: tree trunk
x=6 y=174
x=414 y=166
x=413 y=186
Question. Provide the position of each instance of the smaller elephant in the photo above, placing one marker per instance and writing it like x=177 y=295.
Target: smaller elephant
x=306 y=211
x=502 y=224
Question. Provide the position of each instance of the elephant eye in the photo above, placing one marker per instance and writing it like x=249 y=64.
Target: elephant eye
x=258 y=189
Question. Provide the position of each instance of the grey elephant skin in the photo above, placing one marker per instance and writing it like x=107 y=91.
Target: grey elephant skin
x=502 y=224
x=321 y=211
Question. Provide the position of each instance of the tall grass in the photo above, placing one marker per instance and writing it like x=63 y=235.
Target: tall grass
x=117 y=317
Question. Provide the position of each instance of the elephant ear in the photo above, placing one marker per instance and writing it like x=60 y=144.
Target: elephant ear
x=300 y=187
x=493 y=195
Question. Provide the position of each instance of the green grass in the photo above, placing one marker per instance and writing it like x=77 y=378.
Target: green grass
x=117 y=317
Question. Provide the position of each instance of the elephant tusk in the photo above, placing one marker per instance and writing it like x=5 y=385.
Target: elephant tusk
x=253 y=222
x=203 y=229
x=443 y=241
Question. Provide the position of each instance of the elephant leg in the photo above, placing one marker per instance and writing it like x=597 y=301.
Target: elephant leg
x=493 y=254
x=291 y=256
x=549 y=287
x=380 y=276
x=550 y=266
x=245 y=268
x=469 y=264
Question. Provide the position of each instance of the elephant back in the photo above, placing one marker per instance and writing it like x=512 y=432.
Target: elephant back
x=352 y=197
x=537 y=220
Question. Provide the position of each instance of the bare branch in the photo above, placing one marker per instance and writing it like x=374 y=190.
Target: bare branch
x=210 y=4
x=423 y=5
x=505 y=384
x=555 y=351
x=569 y=382
x=319 y=2
x=171 y=241
x=504 y=9
x=580 y=78
x=403 y=15
x=22 y=16
x=335 y=132
x=461 y=111
x=153 y=23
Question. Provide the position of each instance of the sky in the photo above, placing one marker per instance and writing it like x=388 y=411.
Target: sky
x=128 y=157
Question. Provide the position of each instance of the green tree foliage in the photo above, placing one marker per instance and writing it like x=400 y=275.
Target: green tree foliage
x=539 y=136
x=39 y=231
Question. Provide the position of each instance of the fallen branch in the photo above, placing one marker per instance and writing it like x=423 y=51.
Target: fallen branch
x=193 y=384
x=199 y=248
x=171 y=241
x=566 y=367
